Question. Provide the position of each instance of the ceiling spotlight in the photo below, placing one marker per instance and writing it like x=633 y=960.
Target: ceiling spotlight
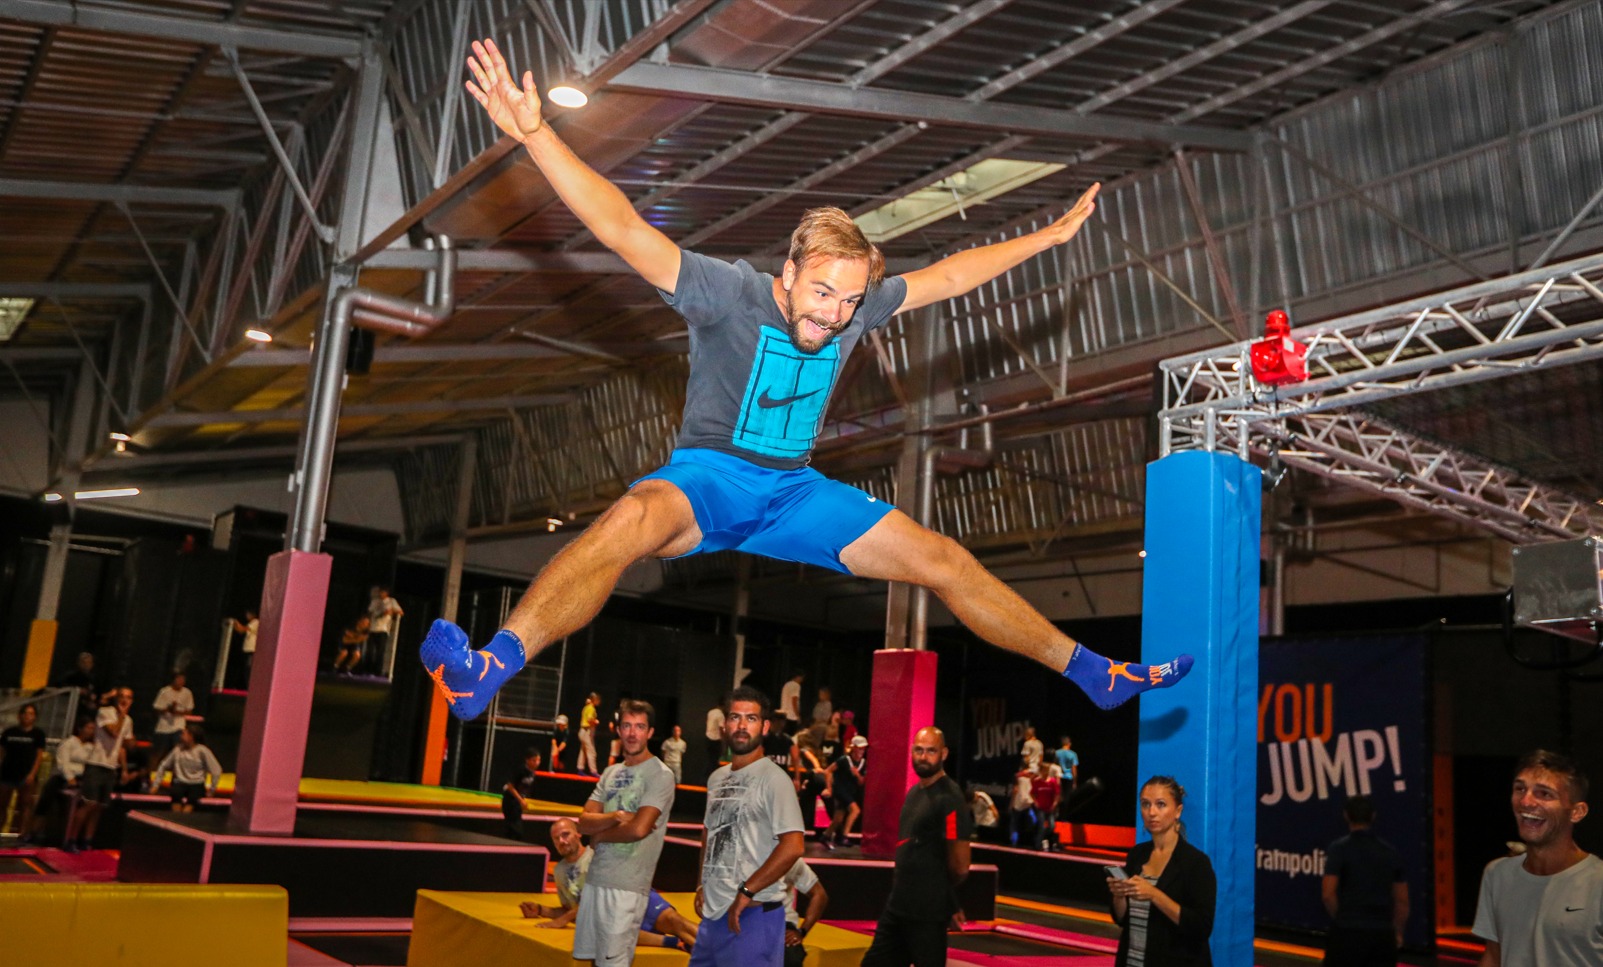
x=258 y=335
x=52 y=498
x=114 y=492
x=122 y=447
x=552 y=523
x=566 y=95
x=119 y=437
x=1141 y=553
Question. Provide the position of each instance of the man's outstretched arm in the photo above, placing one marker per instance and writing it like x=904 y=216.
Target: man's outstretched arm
x=597 y=202
x=957 y=274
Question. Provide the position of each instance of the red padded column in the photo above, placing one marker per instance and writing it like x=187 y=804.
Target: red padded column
x=902 y=701
x=278 y=709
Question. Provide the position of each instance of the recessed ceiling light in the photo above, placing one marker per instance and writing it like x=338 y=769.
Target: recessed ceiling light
x=119 y=437
x=258 y=335
x=951 y=195
x=52 y=498
x=12 y=312
x=564 y=95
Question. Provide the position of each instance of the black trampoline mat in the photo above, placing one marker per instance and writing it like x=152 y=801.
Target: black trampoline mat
x=20 y=866
x=362 y=949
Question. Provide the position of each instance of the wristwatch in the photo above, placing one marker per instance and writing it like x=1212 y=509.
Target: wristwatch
x=747 y=893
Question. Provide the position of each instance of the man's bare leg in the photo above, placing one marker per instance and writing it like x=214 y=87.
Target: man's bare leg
x=899 y=549
x=653 y=519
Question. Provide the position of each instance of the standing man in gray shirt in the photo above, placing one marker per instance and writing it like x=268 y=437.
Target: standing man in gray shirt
x=1545 y=908
x=753 y=836
x=626 y=819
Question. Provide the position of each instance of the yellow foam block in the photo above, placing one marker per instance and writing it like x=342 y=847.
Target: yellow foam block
x=112 y=924
x=452 y=929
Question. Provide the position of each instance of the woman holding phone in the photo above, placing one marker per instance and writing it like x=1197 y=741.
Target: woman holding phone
x=1163 y=896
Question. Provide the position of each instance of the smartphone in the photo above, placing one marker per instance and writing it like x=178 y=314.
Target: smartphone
x=1117 y=872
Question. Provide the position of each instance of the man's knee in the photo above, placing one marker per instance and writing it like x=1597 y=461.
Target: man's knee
x=654 y=514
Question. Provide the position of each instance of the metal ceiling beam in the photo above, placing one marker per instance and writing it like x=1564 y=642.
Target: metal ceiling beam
x=86 y=15
x=818 y=97
x=128 y=194
x=74 y=290
x=297 y=414
x=400 y=355
x=233 y=456
x=38 y=354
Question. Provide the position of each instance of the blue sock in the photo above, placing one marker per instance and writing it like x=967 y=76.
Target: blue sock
x=469 y=679
x=1112 y=683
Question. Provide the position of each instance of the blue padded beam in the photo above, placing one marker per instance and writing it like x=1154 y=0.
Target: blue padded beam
x=1200 y=595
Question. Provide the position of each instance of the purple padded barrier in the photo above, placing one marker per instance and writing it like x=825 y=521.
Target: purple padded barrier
x=278 y=709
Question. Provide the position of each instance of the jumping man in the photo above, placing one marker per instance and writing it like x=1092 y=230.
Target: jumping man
x=765 y=356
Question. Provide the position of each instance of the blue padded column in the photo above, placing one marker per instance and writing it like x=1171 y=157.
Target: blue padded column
x=1200 y=595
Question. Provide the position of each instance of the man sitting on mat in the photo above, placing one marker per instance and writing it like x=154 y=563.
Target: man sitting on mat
x=662 y=925
x=766 y=354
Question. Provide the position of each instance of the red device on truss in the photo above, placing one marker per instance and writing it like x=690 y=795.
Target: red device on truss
x=1278 y=359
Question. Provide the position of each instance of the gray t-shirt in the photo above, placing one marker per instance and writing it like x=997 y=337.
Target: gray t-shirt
x=569 y=878
x=629 y=866
x=747 y=811
x=752 y=393
x=799 y=880
x=1543 y=921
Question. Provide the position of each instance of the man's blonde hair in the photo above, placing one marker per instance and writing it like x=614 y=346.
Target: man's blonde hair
x=830 y=233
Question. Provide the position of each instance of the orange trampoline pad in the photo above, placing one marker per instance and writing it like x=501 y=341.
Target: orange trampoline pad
x=452 y=929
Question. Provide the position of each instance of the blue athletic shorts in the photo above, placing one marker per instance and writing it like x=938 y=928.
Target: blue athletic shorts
x=792 y=515
x=655 y=904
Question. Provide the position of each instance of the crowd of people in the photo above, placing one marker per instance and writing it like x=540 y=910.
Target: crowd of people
x=100 y=757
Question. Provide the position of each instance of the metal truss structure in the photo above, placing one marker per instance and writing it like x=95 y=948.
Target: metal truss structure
x=1546 y=317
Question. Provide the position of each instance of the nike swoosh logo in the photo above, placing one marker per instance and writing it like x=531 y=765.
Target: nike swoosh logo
x=768 y=402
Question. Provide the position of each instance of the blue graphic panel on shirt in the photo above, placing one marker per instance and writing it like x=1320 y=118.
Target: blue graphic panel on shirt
x=785 y=396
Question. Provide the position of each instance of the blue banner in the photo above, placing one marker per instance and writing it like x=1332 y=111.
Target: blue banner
x=1338 y=718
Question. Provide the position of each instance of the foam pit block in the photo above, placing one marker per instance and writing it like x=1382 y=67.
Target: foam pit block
x=452 y=929
x=120 y=924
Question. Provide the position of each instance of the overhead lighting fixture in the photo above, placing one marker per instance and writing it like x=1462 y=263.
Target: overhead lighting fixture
x=258 y=335
x=113 y=492
x=119 y=437
x=952 y=195
x=1142 y=553
x=566 y=95
x=96 y=494
x=552 y=523
x=12 y=312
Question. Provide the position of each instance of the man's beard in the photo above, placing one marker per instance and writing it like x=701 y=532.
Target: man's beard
x=741 y=746
x=924 y=769
x=796 y=321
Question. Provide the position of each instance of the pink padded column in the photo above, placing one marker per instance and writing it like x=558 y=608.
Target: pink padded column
x=278 y=709
x=902 y=701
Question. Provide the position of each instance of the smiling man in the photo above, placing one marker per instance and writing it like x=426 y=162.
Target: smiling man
x=766 y=353
x=1545 y=908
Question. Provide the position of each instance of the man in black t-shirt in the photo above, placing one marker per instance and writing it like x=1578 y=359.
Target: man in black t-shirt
x=21 y=747
x=780 y=746
x=1366 y=893
x=931 y=860
x=517 y=791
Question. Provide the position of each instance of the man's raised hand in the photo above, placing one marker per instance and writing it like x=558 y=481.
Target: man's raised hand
x=515 y=111
x=1066 y=227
